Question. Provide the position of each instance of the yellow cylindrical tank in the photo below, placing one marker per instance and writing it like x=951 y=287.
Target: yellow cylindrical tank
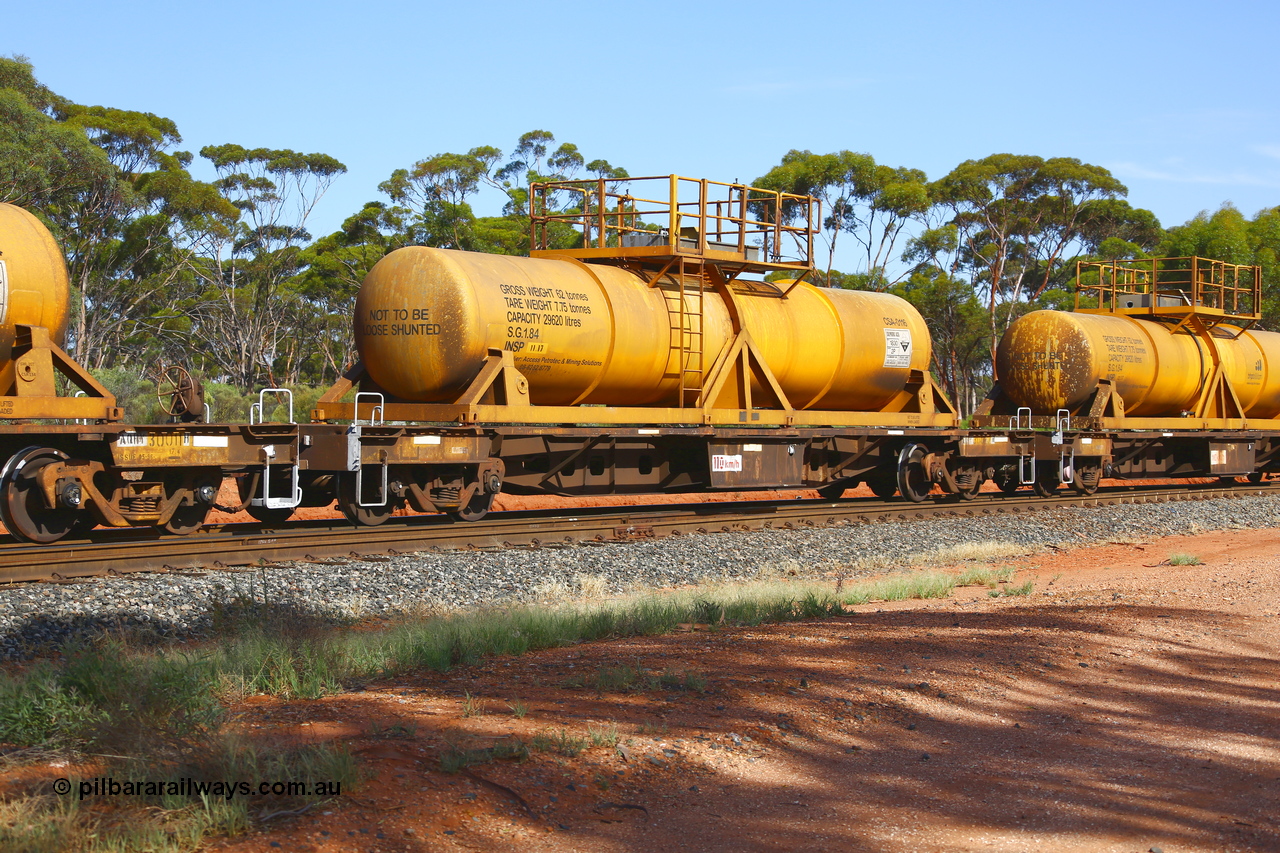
x=1050 y=360
x=34 y=287
x=425 y=319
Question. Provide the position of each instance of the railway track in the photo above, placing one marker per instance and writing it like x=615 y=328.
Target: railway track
x=133 y=550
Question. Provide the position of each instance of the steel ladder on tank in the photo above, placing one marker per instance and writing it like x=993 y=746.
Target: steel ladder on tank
x=687 y=336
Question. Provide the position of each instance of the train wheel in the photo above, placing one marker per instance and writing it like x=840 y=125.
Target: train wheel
x=913 y=479
x=349 y=503
x=1085 y=479
x=22 y=506
x=1008 y=481
x=836 y=490
x=476 y=508
x=83 y=526
x=883 y=486
x=268 y=515
x=188 y=519
x=1047 y=480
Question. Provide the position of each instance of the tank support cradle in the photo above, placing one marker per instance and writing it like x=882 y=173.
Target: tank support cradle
x=28 y=382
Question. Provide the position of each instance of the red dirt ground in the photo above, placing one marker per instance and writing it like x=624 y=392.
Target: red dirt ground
x=1124 y=705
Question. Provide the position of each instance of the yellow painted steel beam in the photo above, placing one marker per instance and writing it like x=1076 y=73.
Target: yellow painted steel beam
x=636 y=416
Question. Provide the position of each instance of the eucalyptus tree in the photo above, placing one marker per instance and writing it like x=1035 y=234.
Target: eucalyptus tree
x=247 y=320
x=334 y=267
x=1227 y=235
x=957 y=326
x=119 y=200
x=871 y=202
x=1014 y=217
x=437 y=192
x=42 y=159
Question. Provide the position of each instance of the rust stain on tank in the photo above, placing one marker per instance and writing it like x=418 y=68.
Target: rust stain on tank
x=1051 y=360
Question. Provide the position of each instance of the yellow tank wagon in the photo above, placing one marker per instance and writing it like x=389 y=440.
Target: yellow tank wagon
x=676 y=346
x=1159 y=372
x=68 y=464
x=600 y=335
x=1052 y=360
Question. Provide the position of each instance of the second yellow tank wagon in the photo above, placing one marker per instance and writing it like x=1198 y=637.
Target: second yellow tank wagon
x=1160 y=368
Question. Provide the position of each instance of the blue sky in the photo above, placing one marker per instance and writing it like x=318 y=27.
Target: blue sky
x=1177 y=99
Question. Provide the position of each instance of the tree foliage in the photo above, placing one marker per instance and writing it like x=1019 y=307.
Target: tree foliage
x=1015 y=216
x=870 y=202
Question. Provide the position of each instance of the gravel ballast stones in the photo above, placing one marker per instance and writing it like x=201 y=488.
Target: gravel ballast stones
x=38 y=617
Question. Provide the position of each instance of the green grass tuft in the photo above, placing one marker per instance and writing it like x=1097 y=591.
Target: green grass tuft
x=473 y=706
x=559 y=743
x=173 y=821
x=603 y=735
x=1185 y=560
x=922 y=585
x=455 y=759
x=1009 y=591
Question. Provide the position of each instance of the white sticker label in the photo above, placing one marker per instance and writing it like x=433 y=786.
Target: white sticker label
x=168 y=439
x=1217 y=457
x=726 y=463
x=753 y=448
x=426 y=439
x=897 y=347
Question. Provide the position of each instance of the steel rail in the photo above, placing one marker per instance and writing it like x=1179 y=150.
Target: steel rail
x=222 y=546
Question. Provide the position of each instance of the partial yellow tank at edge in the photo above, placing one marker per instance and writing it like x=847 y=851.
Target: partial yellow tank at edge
x=34 y=287
x=425 y=319
x=1050 y=360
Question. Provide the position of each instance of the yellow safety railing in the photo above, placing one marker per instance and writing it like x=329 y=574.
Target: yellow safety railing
x=672 y=215
x=1170 y=286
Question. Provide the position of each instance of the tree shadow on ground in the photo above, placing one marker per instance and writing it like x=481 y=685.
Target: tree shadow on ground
x=905 y=730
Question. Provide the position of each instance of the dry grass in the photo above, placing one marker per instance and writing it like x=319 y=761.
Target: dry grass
x=1010 y=591
x=169 y=823
x=551 y=590
x=979 y=552
x=592 y=586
